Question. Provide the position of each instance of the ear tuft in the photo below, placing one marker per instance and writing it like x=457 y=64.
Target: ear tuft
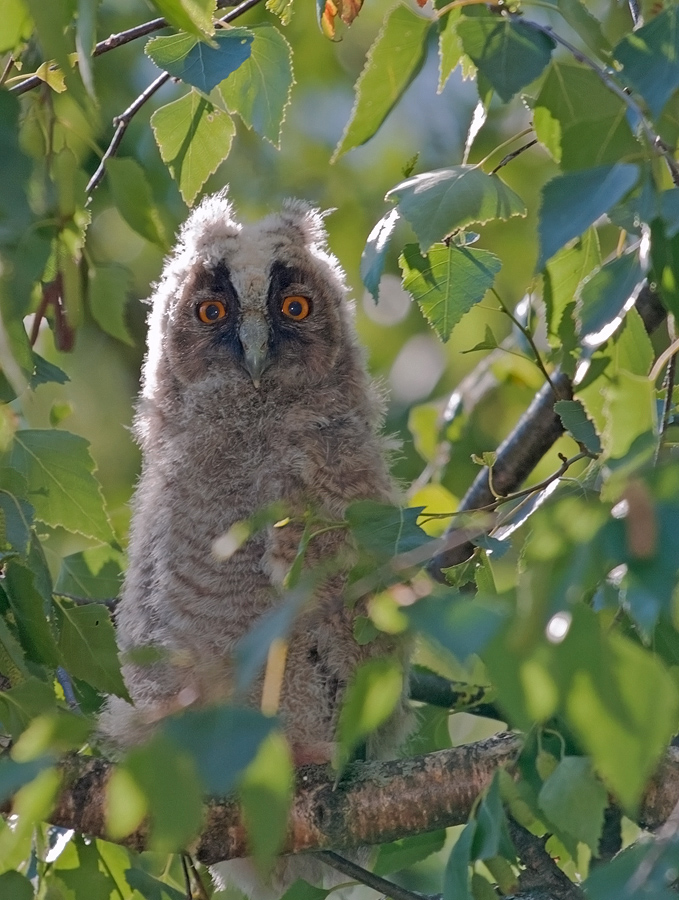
x=209 y=225
x=306 y=220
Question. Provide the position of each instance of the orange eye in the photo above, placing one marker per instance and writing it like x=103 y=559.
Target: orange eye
x=211 y=311
x=296 y=307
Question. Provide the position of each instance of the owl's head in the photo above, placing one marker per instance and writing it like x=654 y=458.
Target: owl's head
x=249 y=305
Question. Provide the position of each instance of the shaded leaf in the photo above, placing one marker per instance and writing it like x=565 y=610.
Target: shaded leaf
x=197 y=63
x=585 y=24
x=507 y=52
x=407 y=851
x=456 y=875
x=392 y=62
x=88 y=646
x=384 y=530
x=564 y=274
x=375 y=251
x=572 y=414
x=572 y=202
x=194 y=137
x=134 y=201
x=605 y=297
x=63 y=490
x=447 y=282
x=19 y=706
x=259 y=90
x=108 y=295
x=440 y=202
x=15 y=886
x=650 y=58
x=29 y=614
x=573 y=797
x=95 y=574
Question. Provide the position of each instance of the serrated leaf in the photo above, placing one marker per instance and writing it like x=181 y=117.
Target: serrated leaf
x=194 y=137
x=63 y=490
x=30 y=615
x=222 y=740
x=87 y=643
x=17 y=517
x=650 y=58
x=108 y=295
x=572 y=414
x=194 y=16
x=575 y=799
x=447 y=282
x=563 y=275
x=394 y=59
x=384 y=530
x=375 y=251
x=371 y=697
x=573 y=202
x=450 y=46
x=259 y=90
x=580 y=121
x=585 y=24
x=132 y=196
x=508 y=53
x=489 y=342
x=266 y=794
x=95 y=574
x=606 y=295
x=440 y=202
x=197 y=63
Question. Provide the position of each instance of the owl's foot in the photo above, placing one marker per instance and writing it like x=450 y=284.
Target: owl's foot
x=313 y=754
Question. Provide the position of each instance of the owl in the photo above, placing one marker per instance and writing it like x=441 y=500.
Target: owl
x=254 y=391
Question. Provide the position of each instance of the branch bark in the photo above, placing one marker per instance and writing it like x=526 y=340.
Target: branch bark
x=373 y=803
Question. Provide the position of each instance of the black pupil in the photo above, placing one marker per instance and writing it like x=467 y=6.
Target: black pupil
x=295 y=308
x=212 y=311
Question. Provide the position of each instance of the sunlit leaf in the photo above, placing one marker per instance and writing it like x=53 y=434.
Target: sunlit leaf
x=450 y=46
x=259 y=90
x=572 y=202
x=197 y=63
x=440 y=202
x=564 y=273
x=447 y=282
x=393 y=61
x=194 y=16
x=650 y=58
x=17 y=24
x=507 y=52
x=194 y=137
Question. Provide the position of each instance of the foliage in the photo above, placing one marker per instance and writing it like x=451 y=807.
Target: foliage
x=574 y=618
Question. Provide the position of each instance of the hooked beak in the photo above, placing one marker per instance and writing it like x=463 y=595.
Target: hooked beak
x=254 y=338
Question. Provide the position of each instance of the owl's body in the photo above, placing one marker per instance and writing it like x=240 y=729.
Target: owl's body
x=254 y=391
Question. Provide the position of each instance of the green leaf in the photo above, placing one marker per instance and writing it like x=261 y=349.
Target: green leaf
x=656 y=862
x=564 y=274
x=375 y=251
x=456 y=875
x=12 y=660
x=133 y=199
x=17 y=24
x=87 y=643
x=384 y=530
x=20 y=705
x=266 y=794
x=572 y=414
x=52 y=25
x=194 y=16
x=407 y=851
x=447 y=282
x=462 y=626
x=585 y=24
x=85 y=40
x=580 y=121
x=508 y=53
x=15 y=886
x=45 y=372
x=630 y=411
x=259 y=90
x=95 y=574
x=16 y=514
x=281 y=8
x=29 y=613
x=450 y=46
x=108 y=295
x=606 y=295
x=445 y=200
x=665 y=265
x=302 y=890
x=176 y=814
x=150 y=887
x=650 y=58
x=16 y=168
x=574 y=798
x=198 y=64
x=394 y=59
x=572 y=202
x=63 y=490
x=222 y=740
x=492 y=833
x=371 y=697
x=194 y=137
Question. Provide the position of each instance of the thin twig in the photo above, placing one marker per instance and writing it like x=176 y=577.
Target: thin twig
x=8 y=68
x=110 y=43
x=122 y=121
x=510 y=156
x=662 y=360
x=528 y=336
x=353 y=870
x=654 y=139
x=669 y=388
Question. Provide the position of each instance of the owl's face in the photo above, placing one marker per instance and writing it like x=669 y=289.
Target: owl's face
x=256 y=304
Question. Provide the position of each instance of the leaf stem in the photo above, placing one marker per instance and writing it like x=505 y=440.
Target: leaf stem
x=529 y=337
x=514 y=137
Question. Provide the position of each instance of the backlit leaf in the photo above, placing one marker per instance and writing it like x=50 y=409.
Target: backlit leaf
x=194 y=137
x=393 y=61
x=447 y=282
x=194 y=16
x=574 y=418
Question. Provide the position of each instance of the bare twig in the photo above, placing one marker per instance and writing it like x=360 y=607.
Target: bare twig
x=510 y=156
x=122 y=121
x=358 y=873
x=9 y=65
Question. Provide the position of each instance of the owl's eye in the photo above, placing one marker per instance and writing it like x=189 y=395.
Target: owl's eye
x=210 y=311
x=296 y=307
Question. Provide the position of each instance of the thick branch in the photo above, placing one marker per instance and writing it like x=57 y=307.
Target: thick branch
x=373 y=803
x=536 y=431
